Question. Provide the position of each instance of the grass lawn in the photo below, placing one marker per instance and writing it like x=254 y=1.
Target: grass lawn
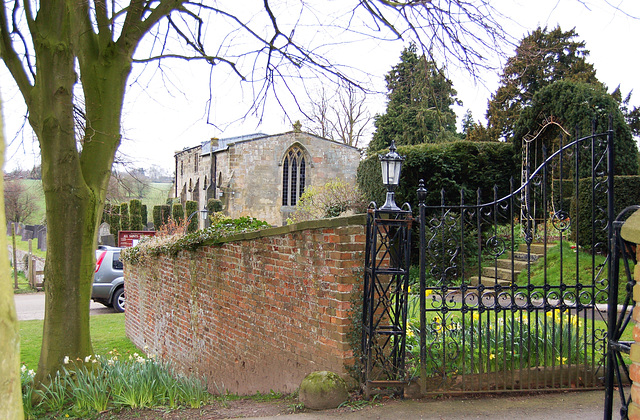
x=23 y=284
x=24 y=246
x=107 y=334
x=156 y=195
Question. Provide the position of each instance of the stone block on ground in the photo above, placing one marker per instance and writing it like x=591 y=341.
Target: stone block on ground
x=323 y=390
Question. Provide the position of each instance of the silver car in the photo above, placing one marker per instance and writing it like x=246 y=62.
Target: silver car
x=108 y=281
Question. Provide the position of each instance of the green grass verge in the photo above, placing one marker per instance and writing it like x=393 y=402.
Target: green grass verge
x=24 y=246
x=23 y=284
x=107 y=334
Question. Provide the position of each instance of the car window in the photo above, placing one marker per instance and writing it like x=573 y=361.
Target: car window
x=117 y=264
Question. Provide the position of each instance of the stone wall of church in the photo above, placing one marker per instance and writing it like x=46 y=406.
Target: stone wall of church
x=256 y=172
x=249 y=173
x=193 y=176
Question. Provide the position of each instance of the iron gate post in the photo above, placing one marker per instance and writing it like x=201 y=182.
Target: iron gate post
x=385 y=294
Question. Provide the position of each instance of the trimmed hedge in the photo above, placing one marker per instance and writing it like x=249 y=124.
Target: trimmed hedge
x=135 y=211
x=144 y=215
x=161 y=215
x=177 y=212
x=114 y=220
x=445 y=166
x=191 y=207
x=124 y=217
x=627 y=193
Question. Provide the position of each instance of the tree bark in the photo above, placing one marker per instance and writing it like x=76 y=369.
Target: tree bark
x=74 y=181
x=10 y=386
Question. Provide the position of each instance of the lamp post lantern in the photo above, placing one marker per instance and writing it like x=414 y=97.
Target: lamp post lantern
x=391 y=166
x=203 y=215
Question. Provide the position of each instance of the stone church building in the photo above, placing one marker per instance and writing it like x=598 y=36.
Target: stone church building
x=261 y=175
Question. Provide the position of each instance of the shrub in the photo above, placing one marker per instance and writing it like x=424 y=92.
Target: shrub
x=627 y=193
x=144 y=215
x=160 y=215
x=447 y=166
x=214 y=205
x=114 y=220
x=135 y=210
x=177 y=212
x=172 y=244
x=124 y=216
x=191 y=207
x=332 y=199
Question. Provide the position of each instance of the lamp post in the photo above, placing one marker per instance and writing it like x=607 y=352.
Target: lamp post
x=203 y=215
x=391 y=166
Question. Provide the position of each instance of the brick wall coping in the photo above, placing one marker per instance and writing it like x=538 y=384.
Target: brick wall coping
x=358 y=219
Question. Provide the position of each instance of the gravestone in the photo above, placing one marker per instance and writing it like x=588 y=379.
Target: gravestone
x=41 y=236
x=27 y=234
x=104 y=229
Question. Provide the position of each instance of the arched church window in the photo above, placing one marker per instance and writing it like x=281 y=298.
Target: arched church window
x=293 y=176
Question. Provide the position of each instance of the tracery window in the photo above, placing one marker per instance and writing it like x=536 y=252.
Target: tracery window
x=293 y=176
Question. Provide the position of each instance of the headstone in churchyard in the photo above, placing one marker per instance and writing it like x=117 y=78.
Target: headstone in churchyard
x=108 y=240
x=104 y=229
x=27 y=234
x=41 y=236
x=149 y=226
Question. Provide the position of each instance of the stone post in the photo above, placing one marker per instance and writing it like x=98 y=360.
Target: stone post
x=631 y=232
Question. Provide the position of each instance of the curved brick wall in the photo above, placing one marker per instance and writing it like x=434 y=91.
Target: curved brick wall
x=257 y=313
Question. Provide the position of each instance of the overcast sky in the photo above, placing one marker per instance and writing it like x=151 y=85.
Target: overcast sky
x=166 y=114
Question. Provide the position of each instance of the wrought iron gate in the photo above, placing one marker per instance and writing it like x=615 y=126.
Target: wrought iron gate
x=512 y=288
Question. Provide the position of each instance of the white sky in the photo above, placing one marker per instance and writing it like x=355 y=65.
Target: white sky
x=158 y=120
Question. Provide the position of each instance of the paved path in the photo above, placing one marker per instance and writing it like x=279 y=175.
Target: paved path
x=553 y=406
x=31 y=306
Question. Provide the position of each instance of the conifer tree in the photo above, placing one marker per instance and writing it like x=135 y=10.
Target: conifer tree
x=419 y=108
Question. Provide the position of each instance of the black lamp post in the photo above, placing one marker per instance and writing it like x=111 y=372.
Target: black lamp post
x=391 y=166
x=203 y=215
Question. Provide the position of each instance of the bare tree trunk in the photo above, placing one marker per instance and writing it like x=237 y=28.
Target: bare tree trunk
x=10 y=386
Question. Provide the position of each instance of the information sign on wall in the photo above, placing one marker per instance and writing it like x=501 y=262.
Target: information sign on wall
x=128 y=238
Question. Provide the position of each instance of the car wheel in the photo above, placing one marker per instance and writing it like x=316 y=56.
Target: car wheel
x=119 y=300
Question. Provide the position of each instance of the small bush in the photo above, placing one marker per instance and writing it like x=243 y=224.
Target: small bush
x=332 y=199
x=214 y=205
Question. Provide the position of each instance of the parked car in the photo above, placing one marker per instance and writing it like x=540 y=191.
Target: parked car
x=108 y=281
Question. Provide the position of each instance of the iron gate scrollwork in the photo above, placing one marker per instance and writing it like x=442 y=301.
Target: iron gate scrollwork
x=384 y=311
x=512 y=288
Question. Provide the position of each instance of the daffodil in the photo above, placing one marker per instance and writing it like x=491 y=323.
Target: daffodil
x=65 y=360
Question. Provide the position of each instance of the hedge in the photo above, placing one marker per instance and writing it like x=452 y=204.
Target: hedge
x=627 y=193
x=445 y=166
x=124 y=216
x=191 y=207
x=177 y=213
x=135 y=212
x=161 y=215
x=144 y=215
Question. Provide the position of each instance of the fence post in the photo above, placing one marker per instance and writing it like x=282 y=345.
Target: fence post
x=32 y=277
x=15 y=257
